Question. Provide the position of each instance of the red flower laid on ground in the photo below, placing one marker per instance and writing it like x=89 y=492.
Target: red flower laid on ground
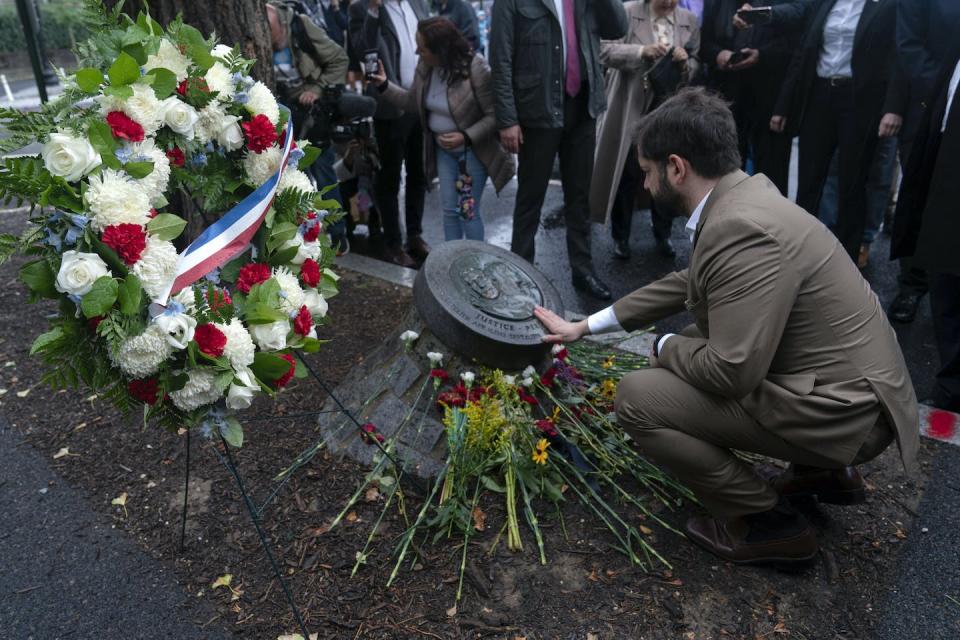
x=177 y=157
x=251 y=274
x=124 y=127
x=526 y=397
x=369 y=432
x=547 y=427
x=144 y=390
x=440 y=374
x=450 y=399
x=128 y=240
x=210 y=340
x=561 y=355
x=303 y=323
x=547 y=378
x=288 y=376
x=260 y=132
x=310 y=272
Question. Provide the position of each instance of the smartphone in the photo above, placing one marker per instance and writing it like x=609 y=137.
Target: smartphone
x=371 y=63
x=757 y=15
x=737 y=58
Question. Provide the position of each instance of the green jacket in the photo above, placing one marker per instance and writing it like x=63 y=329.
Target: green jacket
x=325 y=65
x=526 y=55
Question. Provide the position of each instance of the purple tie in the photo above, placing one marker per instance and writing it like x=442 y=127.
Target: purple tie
x=573 y=55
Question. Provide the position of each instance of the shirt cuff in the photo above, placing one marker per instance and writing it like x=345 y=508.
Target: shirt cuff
x=603 y=321
x=662 y=341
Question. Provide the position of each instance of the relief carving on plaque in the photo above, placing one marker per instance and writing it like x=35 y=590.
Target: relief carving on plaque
x=495 y=287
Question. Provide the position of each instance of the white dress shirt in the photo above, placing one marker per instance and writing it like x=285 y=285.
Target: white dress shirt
x=836 y=52
x=405 y=22
x=558 y=5
x=951 y=94
x=605 y=321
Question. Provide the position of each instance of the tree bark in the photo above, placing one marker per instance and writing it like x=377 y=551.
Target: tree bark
x=240 y=23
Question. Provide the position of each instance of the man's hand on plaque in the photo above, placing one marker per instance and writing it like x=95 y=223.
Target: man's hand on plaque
x=558 y=329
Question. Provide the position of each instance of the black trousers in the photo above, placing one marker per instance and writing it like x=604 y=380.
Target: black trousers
x=621 y=215
x=575 y=143
x=945 y=304
x=831 y=124
x=770 y=151
x=401 y=143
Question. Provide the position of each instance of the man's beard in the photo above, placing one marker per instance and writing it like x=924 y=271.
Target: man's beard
x=668 y=200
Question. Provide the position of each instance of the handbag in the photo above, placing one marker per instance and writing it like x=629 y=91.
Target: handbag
x=664 y=77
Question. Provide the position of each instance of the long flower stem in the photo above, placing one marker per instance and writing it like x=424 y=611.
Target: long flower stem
x=412 y=530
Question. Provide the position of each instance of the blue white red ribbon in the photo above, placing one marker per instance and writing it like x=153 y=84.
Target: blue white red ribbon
x=229 y=236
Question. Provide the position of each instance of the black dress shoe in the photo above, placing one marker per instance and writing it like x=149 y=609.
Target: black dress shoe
x=665 y=248
x=621 y=249
x=592 y=285
x=831 y=486
x=904 y=307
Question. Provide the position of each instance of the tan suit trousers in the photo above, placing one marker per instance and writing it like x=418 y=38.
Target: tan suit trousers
x=691 y=433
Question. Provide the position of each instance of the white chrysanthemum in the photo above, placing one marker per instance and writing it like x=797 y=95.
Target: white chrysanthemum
x=201 y=389
x=113 y=197
x=142 y=355
x=261 y=100
x=291 y=295
x=187 y=299
x=143 y=107
x=220 y=79
x=157 y=266
x=155 y=184
x=209 y=125
x=239 y=349
x=169 y=57
x=295 y=179
x=260 y=166
x=221 y=51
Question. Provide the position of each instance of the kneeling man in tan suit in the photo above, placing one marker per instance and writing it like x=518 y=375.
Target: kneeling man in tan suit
x=791 y=355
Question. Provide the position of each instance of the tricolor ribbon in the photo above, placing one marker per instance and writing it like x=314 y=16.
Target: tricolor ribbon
x=229 y=236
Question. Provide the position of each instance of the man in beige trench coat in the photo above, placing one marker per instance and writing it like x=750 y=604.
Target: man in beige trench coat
x=791 y=355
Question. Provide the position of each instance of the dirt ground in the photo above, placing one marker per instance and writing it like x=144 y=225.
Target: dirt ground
x=588 y=590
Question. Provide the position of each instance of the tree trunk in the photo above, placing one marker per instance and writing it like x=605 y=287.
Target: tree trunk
x=240 y=23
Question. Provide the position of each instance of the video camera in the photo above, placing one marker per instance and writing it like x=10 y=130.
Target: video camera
x=340 y=116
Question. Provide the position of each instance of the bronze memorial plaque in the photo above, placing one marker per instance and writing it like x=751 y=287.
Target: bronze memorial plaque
x=478 y=299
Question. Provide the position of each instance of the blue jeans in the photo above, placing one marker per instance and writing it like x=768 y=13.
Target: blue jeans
x=878 y=189
x=448 y=170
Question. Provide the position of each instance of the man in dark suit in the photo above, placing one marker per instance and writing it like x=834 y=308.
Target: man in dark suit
x=926 y=224
x=842 y=91
x=548 y=87
x=390 y=28
x=752 y=84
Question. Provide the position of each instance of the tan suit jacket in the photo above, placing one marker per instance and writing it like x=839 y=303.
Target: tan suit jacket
x=791 y=329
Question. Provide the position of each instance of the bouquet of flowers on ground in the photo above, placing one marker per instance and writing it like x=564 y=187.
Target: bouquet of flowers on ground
x=191 y=335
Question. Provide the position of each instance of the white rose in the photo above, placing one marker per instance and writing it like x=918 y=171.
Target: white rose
x=68 y=157
x=180 y=116
x=240 y=396
x=305 y=250
x=177 y=328
x=270 y=337
x=315 y=303
x=78 y=272
x=230 y=136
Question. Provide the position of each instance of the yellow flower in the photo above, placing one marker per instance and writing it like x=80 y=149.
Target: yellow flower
x=608 y=362
x=556 y=415
x=540 y=451
x=608 y=389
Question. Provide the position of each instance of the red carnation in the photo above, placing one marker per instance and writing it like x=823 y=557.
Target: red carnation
x=251 y=274
x=529 y=399
x=450 y=399
x=561 y=355
x=94 y=322
x=439 y=374
x=128 y=240
x=192 y=83
x=124 y=127
x=369 y=432
x=177 y=157
x=288 y=376
x=153 y=213
x=303 y=323
x=310 y=272
x=144 y=390
x=312 y=233
x=210 y=340
x=260 y=132
x=547 y=378
x=547 y=427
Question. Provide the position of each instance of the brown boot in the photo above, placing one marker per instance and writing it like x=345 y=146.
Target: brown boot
x=781 y=536
x=418 y=247
x=398 y=256
x=830 y=486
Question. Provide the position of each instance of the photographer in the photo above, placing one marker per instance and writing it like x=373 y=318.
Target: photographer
x=305 y=60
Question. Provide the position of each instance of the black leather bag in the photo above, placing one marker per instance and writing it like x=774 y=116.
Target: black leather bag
x=664 y=77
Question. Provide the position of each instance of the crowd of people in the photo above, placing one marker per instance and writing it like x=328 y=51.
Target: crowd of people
x=865 y=86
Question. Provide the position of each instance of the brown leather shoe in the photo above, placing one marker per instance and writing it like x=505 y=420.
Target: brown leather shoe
x=781 y=536
x=830 y=486
x=864 y=258
x=418 y=247
x=398 y=256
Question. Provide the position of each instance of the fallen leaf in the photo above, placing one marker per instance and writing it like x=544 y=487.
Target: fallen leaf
x=645 y=530
x=297 y=636
x=479 y=519
x=372 y=494
x=23 y=394
x=222 y=581
x=780 y=627
x=592 y=636
x=900 y=533
x=352 y=517
x=452 y=611
x=80 y=426
x=121 y=501
x=63 y=452
x=593 y=577
x=313 y=532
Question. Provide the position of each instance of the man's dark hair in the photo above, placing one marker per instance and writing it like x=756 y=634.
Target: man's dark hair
x=696 y=125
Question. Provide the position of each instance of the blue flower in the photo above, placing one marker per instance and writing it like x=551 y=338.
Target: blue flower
x=295 y=157
x=174 y=308
x=198 y=160
x=208 y=147
x=213 y=276
x=53 y=240
x=124 y=154
x=74 y=298
x=241 y=97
